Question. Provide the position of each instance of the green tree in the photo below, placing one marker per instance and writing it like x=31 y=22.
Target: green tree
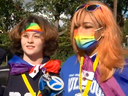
x=122 y=8
x=55 y=8
x=11 y=12
x=125 y=30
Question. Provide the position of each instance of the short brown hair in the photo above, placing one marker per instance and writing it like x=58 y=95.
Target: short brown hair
x=50 y=35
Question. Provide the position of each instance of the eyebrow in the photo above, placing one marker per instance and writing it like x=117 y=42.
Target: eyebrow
x=84 y=23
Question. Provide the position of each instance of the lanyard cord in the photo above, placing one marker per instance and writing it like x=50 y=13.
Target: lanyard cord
x=29 y=86
x=80 y=77
x=86 y=90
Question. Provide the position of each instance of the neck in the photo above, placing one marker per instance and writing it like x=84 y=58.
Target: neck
x=33 y=59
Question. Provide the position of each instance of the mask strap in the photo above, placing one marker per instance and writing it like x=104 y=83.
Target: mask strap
x=98 y=30
x=99 y=38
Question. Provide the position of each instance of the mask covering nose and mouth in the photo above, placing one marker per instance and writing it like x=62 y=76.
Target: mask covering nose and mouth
x=85 y=42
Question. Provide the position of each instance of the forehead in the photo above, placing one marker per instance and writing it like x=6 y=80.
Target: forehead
x=83 y=16
x=31 y=32
x=87 y=20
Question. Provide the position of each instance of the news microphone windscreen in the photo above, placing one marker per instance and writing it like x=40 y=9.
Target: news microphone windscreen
x=56 y=83
x=46 y=91
x=50 y=85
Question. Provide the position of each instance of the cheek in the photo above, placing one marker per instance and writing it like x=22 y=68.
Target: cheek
x=22 y=42
x=89 y=32
x=40 y=44
x=97 y=35
x=40 y=48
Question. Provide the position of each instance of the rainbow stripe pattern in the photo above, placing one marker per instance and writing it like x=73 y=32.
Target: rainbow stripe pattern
x=82 y=40
x=32 y=27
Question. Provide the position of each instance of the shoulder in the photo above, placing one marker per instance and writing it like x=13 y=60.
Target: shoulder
x=122 y=73
x=122 y=78
x=69 y=62
x=15 y=58
x=71 y=59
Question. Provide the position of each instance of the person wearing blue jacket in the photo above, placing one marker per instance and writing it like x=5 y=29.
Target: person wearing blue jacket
x=99 y=67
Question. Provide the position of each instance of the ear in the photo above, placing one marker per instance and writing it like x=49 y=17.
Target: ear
x=103 y=32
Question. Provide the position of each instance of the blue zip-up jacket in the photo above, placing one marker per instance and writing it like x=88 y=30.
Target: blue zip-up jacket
x=70 y=75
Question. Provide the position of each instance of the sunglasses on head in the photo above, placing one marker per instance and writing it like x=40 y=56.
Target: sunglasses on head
x=89 y=7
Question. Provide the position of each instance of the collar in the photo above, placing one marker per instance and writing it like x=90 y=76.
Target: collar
x=19 y=66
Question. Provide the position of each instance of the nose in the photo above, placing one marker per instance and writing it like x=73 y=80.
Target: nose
x=30 y=40
x=80 y=29
x=86 y=31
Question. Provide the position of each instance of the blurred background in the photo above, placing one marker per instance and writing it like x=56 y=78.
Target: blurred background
x=59 y=13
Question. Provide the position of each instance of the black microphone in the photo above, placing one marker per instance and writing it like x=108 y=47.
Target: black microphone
x=46 y=91
x=50 y=85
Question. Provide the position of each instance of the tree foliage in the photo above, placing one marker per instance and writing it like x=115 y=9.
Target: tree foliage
x=122 y=8
x=65 y=48
x=55 y=8
x=4 y=40
x=125 y=31
x=12 y=11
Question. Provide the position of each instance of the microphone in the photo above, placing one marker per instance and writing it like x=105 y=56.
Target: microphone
x=52 y=85
x=46 y=91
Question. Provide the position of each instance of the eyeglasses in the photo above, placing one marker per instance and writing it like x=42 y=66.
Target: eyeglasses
x=89 y=7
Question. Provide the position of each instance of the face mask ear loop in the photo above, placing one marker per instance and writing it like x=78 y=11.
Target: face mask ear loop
x=98 y=29
x=100 y=36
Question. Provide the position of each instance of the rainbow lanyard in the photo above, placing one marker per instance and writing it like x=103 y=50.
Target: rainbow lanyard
x=29 y=86
x=86 y=90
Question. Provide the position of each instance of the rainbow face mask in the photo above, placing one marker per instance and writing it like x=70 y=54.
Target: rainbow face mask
x=85 y=42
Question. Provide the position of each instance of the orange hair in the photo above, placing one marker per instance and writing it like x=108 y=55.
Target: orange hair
x=110 y=50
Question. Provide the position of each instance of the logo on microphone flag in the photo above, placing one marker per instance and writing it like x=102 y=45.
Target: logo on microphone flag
x=56 y=83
